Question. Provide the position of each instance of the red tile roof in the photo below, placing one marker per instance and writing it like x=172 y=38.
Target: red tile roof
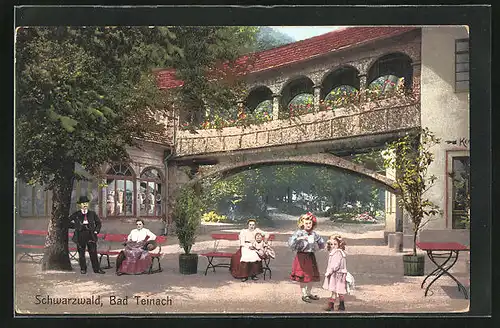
x=303 y=50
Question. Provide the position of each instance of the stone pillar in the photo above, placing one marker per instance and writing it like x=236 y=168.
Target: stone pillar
x=390 y=214
x=316 y=97
x=398 y=242
x=276 y=105
x=417 y=70
x=362 y=82
x=390 y=208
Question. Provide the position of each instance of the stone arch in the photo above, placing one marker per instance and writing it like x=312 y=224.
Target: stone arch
x=296 y=85
x=397 y=63
x=336 y=68
x=314 y=159
x=344 y=74
x=256 y=96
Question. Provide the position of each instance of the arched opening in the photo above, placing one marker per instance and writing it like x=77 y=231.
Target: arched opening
x=390 y=72
x=297 y=97
x=243 y=190
x=259 y=103
x=120 y=191
x=150 y=193
x=339 y=87
x=342 y=76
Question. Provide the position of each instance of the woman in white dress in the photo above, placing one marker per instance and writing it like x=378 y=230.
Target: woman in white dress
x=247 y=262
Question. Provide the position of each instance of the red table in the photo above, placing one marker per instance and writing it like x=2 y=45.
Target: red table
x=447 y=251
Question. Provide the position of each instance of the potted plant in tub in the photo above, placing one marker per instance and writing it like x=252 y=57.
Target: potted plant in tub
x=411 y=157
x=187 y=218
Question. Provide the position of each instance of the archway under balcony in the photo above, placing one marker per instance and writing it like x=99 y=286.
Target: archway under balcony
x=323 y=159
x=389 y=70
x=298 y=91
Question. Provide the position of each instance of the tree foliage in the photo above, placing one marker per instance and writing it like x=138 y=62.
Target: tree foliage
x=268 y=38
x=83 y=94
x=411 y=157
x=211 y=75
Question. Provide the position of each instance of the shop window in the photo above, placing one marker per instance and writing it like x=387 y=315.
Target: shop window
x=120 y=191
x=150 y=193
x=460 y=191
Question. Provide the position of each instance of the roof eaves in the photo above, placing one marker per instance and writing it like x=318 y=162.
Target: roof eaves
x=377 y=38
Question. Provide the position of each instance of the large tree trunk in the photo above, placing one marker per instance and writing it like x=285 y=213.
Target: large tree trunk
x=56 y=255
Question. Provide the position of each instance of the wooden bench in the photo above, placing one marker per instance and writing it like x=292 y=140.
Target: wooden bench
x=157 y=255
x=27 y=248
x=111 y=238
x=215 y=254
x=122 y=238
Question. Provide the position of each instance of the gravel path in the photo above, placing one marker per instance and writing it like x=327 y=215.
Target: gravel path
x=380 y=284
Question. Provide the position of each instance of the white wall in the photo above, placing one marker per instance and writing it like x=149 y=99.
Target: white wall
x=444 y=111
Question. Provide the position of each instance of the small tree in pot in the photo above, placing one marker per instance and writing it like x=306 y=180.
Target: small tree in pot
x=187 y=217
x=411 y=157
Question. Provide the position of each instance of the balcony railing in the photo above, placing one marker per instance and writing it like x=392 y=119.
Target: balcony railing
x=354 y=119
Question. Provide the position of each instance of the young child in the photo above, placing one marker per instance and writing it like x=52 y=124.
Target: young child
x=262 y=247
x=336 y=272
x=259 y=244
x=305 y=242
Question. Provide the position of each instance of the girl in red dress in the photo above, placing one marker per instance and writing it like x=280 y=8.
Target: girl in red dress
x=305 y=242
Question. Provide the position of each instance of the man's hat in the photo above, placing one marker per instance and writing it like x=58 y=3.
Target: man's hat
x=83 y=199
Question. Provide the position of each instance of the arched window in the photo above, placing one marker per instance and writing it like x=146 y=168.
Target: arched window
x=340 y=95
x=386 y=73
x=150 y=193
x=120 y=191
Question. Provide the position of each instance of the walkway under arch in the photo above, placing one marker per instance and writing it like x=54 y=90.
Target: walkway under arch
x=324 y=159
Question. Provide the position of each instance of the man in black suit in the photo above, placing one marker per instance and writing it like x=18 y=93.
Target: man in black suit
x=87 y=225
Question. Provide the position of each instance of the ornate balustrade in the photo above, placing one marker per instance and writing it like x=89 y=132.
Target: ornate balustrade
x=382 y=116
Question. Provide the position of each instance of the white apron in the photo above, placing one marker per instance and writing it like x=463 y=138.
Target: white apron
x=247 y=237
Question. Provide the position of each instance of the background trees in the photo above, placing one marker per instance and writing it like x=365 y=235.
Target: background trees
x=293 y=189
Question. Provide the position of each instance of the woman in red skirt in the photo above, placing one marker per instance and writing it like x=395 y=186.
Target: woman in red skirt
x=305 y=242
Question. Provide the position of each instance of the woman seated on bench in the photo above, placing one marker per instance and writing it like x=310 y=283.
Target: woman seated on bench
x=246 y=262
x=135 y=258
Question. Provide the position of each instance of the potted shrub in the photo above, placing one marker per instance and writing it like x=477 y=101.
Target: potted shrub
x=187 y=218
x=410 y=157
